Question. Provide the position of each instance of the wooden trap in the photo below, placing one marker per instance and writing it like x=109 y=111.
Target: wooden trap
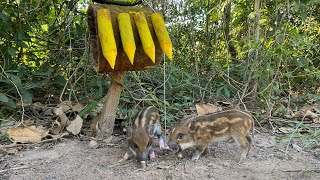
x=122 y=62
x=109 y=54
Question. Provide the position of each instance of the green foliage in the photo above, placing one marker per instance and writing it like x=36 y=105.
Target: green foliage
x=45 y=56
x=4 y=137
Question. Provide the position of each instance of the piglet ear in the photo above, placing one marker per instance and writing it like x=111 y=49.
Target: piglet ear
x=192 y=126
x=151 y=129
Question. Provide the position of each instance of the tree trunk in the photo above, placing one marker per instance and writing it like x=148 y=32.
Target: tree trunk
x=107 y=117
x=231 y=49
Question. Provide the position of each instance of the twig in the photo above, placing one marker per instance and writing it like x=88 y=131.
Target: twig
x=300 y=170
x=240 y=99
x=10 y=145
x=296 y=129
x=15 y=168
x=119 y=164
x=18 y=91
x=29 y=144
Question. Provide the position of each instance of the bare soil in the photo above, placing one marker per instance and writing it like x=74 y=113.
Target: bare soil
x=74 y=159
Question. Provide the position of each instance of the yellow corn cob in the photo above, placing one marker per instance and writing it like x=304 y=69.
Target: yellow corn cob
x=126 y=33
x=162 y=34
x=145 y=35
x=105 y=31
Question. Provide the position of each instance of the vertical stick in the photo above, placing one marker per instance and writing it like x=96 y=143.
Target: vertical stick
x=107 y=117
x=256 y=20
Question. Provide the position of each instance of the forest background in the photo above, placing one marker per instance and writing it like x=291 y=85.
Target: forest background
x=266 y=62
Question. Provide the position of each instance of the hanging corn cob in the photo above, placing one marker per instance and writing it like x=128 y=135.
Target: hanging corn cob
x=120 y=2
x=126 y=33
x=162 y=34
x=105 y=31
x=145 y=35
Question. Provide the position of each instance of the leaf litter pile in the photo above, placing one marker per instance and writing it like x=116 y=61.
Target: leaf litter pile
x=288 y=142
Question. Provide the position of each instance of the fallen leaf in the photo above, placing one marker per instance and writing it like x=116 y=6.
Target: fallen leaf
x=286 y=130
x=38 y=106
x=26 y=134
x=28 y=122
x=59 y=135
x=58 y=111
x=309 y=112
x=296 y=147
x=206 y=108
x=65 y=105
x=55 y=129
x=77 y=107
x=225 y=104
x=48 y=112
x=12 y=151
x=75 y=125
x=63 y=118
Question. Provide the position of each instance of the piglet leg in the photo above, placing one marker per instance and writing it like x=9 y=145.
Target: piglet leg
x=152 y=155
x=162 y=144
x=196 y=155
x=128 y=155
x=125 y=157
x=199 y=150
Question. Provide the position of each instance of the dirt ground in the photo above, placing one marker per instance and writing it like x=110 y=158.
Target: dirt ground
x=72 y=158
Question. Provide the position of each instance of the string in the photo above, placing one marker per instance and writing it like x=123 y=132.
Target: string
x=164 y=86
x=164 y=97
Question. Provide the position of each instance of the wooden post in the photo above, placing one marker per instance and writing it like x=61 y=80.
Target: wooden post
x=108 y=114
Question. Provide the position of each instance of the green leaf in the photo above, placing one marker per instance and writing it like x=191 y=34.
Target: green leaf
x=226 y=91
x=11 y=51
x=27 y=96
x=10 y=103
x=251 y=15
x=61 y=80
x=3 y=97
x=88 y=109
x=21 y=44
x=153 y=97
x=314 y=2
x=3 y=17
x=219 y=90
x=262 y=21
x=314 y=96
x=15 y=79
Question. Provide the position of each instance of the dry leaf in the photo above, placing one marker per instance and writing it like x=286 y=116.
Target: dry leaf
x=55 y=129
x=65 y=105
x=28 y=122
x=286 y=130
x=58 y=111
x=26 y=134
x=48 y=112
x=63 y=118
x=12 y=151
x=206 y=108
x=38 y=106
x=224 y=104
x=58 y=135
x=310 y=112
x=77 y=107
x=75 y=125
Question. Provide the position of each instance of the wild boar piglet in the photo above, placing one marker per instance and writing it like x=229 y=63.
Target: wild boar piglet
x=199 y=131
